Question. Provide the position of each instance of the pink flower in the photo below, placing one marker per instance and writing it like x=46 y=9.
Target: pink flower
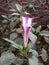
x=26 y=23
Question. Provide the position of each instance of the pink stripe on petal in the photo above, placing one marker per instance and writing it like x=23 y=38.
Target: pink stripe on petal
x=26 y=24
x=26 y=32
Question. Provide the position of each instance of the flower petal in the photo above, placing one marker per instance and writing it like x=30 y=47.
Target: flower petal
x=29 y=22
x=26 y=23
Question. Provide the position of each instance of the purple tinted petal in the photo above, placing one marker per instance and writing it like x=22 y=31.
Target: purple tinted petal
x=26 y=20
x=26 y=25
x=26 y=32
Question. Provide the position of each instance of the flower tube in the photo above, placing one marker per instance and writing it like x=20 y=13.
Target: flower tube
x=26 y=24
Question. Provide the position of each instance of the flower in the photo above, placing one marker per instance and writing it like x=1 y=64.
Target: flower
x=26 y=24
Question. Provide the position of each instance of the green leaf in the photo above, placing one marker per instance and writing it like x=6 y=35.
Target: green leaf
x=33 y=61
x=15 y=14
x=13 y=36
x=4 y=16
x=44 y=55
x=27 y=13
x=38 y=29
x=29 y=2
x=33 y=29
x=12 y=10
x=19 y=30
x=14 y=44
x=33 y=24
x=34 y=52
x=46 y=39
x=19 y=7
x=7 y=58
x=32 y=37
x=18 y=61
x=44 y=33
x=19 y=41
x=29 y=47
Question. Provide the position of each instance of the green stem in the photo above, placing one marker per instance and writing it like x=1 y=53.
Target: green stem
x=25 y=49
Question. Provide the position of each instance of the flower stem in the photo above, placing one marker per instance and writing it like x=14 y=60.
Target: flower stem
x=25 y=49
